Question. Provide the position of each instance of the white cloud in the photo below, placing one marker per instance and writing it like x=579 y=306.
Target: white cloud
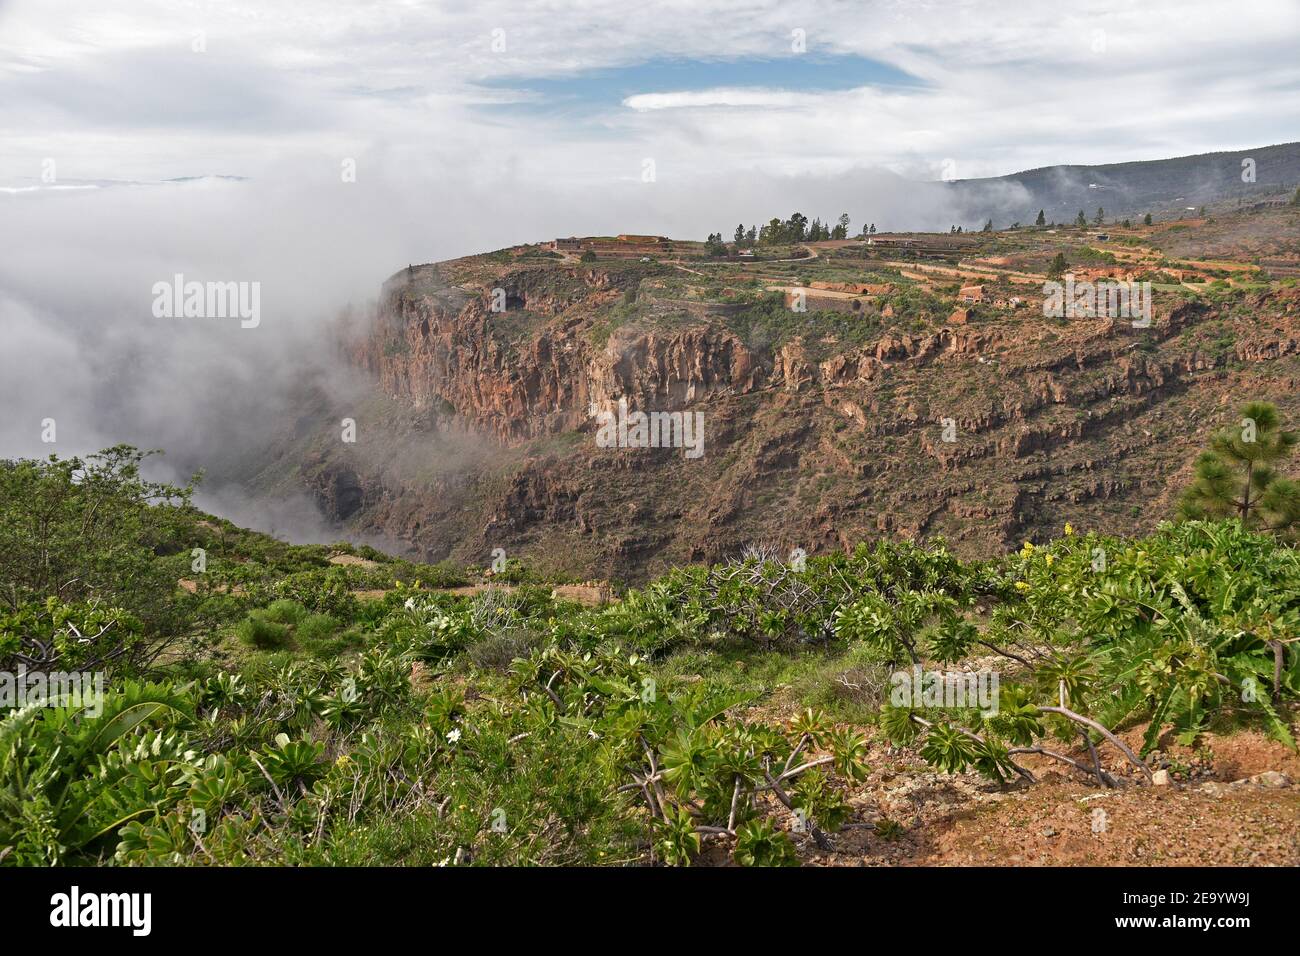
x=1009 y=85
x=742 y=97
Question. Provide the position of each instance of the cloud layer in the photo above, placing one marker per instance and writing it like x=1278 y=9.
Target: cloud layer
x=159 y=89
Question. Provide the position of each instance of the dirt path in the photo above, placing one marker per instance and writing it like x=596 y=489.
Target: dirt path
x=1066 y=824
x=819 y=293
x=987 y=273
x=1235 y=801
x=1237 y=804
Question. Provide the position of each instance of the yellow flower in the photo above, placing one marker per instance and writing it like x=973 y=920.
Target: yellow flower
x=1069 y=528
x=1022 y=585
x=1027 y=550
x=343 y=760
x=1050 y=559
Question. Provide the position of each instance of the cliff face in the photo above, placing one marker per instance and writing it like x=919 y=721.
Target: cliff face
x=445 y=349
x=986 y=433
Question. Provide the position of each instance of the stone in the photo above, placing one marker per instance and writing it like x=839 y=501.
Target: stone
x=1269 y=778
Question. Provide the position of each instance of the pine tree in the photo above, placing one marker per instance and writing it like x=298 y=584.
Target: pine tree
x=1100 y=217
x=740 y=233
x=1146 y=220
x=1042 y=218
x=1057 y=267
x=1236 y=477
x=988 y=226
x=796 y=227
x=1081 y=219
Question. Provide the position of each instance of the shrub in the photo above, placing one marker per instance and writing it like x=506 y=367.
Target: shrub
x=258 y=631
x=92 y=530
x=497 y=651
x=315 y=627
x=71 y=776
x=285 y=611
x=758 y=843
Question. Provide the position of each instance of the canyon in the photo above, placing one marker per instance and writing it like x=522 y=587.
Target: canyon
x=824 y=428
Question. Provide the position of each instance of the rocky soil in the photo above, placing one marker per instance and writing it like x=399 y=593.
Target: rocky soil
x=1240 y=806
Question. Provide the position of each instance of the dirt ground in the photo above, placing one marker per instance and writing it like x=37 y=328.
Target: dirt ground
x=1232 y=801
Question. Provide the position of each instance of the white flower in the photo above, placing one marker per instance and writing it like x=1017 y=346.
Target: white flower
x=410 y=604
x=453 y=735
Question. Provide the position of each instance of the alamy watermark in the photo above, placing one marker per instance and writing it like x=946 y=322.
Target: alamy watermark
x=947 y=689
x=80 y=689
x=1095 y=300
x=620 y=428
x=133 y=911
x=179 y=299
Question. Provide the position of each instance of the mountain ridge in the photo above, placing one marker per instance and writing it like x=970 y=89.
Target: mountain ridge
x=1140 y=186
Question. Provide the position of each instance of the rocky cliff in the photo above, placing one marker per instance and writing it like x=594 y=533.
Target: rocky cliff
x=528 y=370
x=483 y=434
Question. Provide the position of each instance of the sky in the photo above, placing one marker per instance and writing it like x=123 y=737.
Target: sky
x=362 y=136
x=509 y=99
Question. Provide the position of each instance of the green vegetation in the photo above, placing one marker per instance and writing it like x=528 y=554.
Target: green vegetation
x=770 y=322
x=1236 y=476
x=784 y=232
x=1091 y=255
x=274 y=716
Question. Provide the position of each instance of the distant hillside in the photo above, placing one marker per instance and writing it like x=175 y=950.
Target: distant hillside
x=1132 y=189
